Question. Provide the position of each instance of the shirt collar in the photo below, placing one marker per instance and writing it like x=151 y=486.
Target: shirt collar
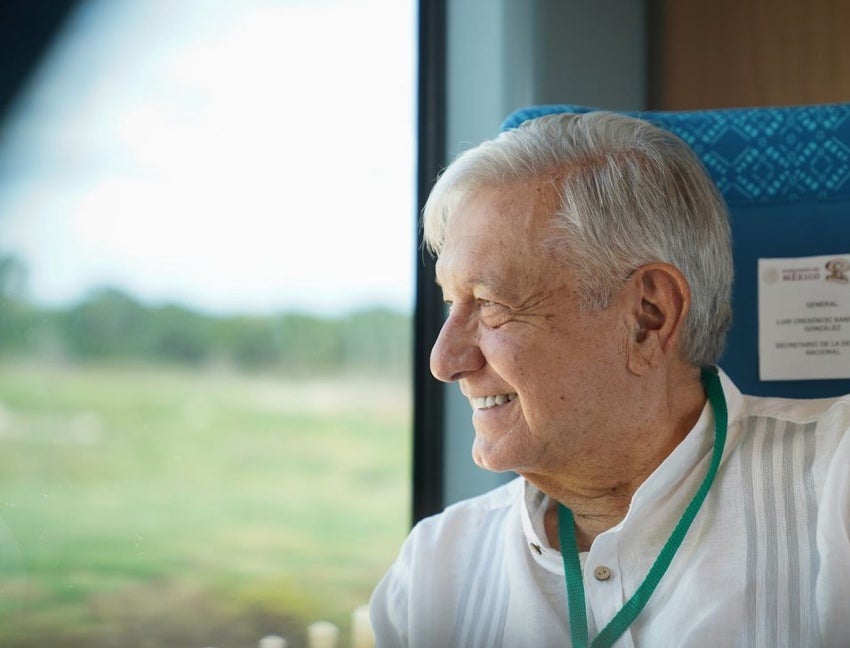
x=533 y=508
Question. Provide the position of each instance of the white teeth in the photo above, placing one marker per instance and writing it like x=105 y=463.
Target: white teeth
x=486 y=402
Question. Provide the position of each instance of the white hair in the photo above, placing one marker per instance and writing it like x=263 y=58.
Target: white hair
x=630 y=194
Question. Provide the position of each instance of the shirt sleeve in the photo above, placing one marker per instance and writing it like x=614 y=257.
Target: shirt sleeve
x=419 y=602
x=389 y=605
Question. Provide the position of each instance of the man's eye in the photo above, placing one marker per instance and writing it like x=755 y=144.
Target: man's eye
x=493 y=313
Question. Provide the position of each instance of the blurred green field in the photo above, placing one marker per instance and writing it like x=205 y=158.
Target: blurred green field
x=158 y=507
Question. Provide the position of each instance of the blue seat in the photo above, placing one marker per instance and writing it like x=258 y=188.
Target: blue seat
x=785 y=174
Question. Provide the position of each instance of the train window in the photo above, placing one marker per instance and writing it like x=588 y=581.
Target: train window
x=207 y=244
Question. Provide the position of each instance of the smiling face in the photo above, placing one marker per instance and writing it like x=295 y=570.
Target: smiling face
x=545 y=379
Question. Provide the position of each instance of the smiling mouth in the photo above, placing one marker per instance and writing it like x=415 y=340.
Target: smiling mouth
x=488 y=402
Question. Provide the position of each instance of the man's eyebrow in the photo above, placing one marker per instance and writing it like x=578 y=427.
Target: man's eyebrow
x=491 y=284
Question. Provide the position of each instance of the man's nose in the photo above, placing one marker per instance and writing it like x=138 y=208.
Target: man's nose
x=456 y=352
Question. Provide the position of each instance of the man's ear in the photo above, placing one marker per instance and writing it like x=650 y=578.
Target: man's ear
x=660 y=298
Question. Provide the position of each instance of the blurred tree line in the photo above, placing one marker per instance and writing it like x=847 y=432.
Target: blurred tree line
x=110 y=324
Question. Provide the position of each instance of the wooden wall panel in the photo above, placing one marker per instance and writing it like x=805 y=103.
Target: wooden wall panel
x=723 y=53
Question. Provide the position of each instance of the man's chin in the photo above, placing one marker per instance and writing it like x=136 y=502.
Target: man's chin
x=491 y=459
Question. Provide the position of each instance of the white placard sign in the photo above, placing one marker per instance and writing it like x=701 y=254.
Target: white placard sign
x=804 y=317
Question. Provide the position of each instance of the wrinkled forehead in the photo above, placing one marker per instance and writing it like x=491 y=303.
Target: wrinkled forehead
x=522 y=210
x=498 y=231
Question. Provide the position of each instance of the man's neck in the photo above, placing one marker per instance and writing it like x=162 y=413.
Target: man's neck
x=593 y=514
x=600 y=497
x=588 y=524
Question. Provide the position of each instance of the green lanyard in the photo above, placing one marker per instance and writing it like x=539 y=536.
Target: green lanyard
x=632 y=607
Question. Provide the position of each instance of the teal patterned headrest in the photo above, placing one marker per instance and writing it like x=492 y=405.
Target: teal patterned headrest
x=756 y=154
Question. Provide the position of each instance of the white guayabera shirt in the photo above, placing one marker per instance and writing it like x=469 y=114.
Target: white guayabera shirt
x=765 y=563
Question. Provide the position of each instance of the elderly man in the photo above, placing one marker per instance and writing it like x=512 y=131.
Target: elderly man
x=586 y=263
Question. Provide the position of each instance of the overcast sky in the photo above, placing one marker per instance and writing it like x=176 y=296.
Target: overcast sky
x=250 y=156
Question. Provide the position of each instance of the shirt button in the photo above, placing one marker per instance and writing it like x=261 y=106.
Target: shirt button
x=602 y=573
x=536 y=548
